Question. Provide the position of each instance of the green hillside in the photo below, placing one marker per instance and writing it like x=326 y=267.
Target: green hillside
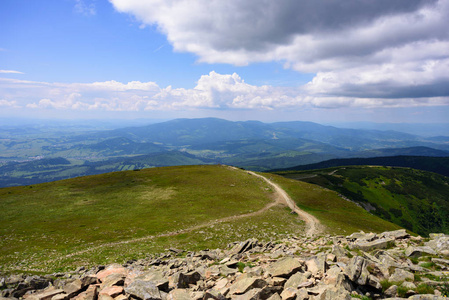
x=414 y=199
x=127 y=215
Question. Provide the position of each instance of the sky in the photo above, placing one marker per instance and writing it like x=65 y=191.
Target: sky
x=310 y=60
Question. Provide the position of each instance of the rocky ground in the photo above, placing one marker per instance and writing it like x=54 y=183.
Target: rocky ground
x=391 y=265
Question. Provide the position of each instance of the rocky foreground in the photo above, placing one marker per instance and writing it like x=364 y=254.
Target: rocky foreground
x=390 y=265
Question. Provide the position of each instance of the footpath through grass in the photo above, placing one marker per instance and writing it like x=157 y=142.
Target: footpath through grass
x=339 y=216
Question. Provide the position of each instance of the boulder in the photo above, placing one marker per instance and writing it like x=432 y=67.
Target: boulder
x=419 y=251
x=296 y=279
x=383 y=243
x=179 y=294
x=400 y=275
x=145 y=290
x=244 y=285
x=284 y=267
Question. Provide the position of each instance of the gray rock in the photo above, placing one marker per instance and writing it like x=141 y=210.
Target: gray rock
x=400 y=275
x=397 y=234
x=179 y=294
x=392 y=291
x=439 y=244
x=376 y=244
x=419 y=251
x=244 y=285
x=296 y=279
x=284 y=267
x=144 y=290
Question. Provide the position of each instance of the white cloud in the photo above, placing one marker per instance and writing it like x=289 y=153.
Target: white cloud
x=10 y=71
x=213 y=91
x=9 y=104
x=396 y=49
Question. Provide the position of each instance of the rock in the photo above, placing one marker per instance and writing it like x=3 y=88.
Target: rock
x=179 y=294
x=182 y=280
x=212 y=294
x=144 y=290
x=112 y=269
x=439 y=243
x=397 y=234
x=335 y=293
x=112 y=291
x=244 y=285
x=427 y=297
x=113 y=279
x=73 y=288
x=89 y=294
x=392 y=291
x=400 y=275
x=275 y=297
x=317 y=264
x=355 y=270
x=284 y=267
x=383 y=243
x=409 y=285
x=249 y=295
x=46 y=294
x=296 y=279
x=289 y=293
x=419 y=251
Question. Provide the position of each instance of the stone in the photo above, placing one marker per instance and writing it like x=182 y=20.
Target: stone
x=244 y=285
x=112 y=291
x=289 y=294
x=296 y=279
x=284 y=267
x=440 y=244
x=113 y=269
x=383 y=243
x=409 y=285
x=46 y=294
x=400 y=275
x=392 y=291
x=249 y=295
x=213 y=294
x=90 y=294
x=179 y=294
x=396 y=234
x=419 y=251
x=144 y=290
x=275 y=297
x=182 y=280
x=73 y=288
x=113 y=279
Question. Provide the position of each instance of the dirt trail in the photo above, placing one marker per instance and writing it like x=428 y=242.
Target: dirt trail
x=313 y=226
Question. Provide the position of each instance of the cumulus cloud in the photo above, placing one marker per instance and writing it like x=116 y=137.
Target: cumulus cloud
x=213 y=91
x=363 y=49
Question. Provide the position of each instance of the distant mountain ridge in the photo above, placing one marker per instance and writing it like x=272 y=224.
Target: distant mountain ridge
x=438 y=165
x=252 y=145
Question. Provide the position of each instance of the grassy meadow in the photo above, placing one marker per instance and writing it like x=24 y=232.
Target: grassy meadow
x=126 y=215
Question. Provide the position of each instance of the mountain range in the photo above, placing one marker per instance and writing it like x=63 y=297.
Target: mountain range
x=252 y=145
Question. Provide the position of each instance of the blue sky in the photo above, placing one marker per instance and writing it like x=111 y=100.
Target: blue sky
x=267 y=60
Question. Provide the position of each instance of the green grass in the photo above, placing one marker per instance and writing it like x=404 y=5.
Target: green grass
x=40 y=225
x=86 y=221
x=338 y=215
x=416 y=200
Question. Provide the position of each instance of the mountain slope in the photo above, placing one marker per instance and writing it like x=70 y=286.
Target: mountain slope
x=438 y=165
x=417 y=200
